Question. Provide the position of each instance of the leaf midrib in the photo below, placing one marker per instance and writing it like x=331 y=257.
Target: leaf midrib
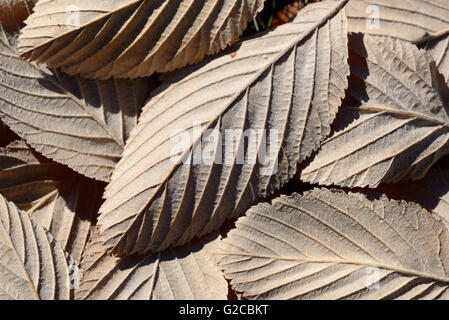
x=403 y=113
x=353 y=262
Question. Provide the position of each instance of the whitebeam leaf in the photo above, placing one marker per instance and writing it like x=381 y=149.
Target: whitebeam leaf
x=62 y=202
x=184 y=273
x=81 y=123
x=422 y=22
x=395 y=124
x=286 y=85
x=32 y=264
x=431 y=192
x=439 y=49
x=132 y=38
x=411 y=20
x=327 y=244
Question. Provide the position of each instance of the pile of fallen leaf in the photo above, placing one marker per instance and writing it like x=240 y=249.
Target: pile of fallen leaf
x=147 y=151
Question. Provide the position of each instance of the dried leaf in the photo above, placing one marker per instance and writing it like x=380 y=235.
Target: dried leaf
x=409 y=20
x=132 y=38
x=287 y=84
x=184 y=273
x=60 y=201
x=32 y=265
x=412 y=20
x=6 y=135
x=393 y=127
x=431 y=192
x=81 y=123
x=327 y=244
